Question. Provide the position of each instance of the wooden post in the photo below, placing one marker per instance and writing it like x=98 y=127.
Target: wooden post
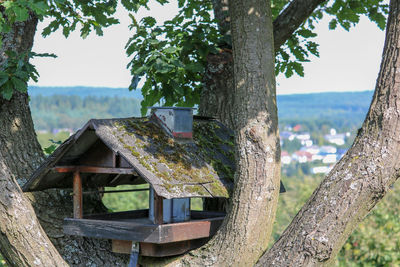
x=158 y=209
x=78 y=210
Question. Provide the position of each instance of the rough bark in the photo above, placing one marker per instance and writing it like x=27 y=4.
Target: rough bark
x=244 y=235
x=359 y=180
x=21 y=236
x=22 y=241
x=248 y=226
x=216 y=97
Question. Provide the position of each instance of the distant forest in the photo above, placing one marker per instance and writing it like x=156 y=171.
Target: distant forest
x=72 y=111
x=71 y=107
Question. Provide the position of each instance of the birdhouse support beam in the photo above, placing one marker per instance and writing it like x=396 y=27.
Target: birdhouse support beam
x=94 y=169
x=77 y=199
x=158 y=209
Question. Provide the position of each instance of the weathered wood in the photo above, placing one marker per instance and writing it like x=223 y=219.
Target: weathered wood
x=158 y=250
x=115 y=191
x=203 y=214
x=94 y=169
x=77 y=198
x=107 y=229
x=175 y=232
x=121 y=246
x=158 y=209
x=133 y=214
x=137 y=230
x=170 y=249
x=98 y=155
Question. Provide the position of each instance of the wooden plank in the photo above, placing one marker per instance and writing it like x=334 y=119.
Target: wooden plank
x=116 y=191
x=77 y=198
x=203 y=214
x=158 y=250
x=170 y=249
x=94 y=169
x=158 y=209
x=175 y=232
x=142 y=232
x=97 y=155
x=110 y=229
x=121 y=246
x=133 y=214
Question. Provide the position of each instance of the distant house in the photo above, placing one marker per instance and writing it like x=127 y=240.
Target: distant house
x=337 y=139
x=321 y=169
x=285 y=157
x=302 y=156
x=329 y=158
x=324 y=150
x=297 y=128
x=311 y=149
x=285 y=135
x=303 y=136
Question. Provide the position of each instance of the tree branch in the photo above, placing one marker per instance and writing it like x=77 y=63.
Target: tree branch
x=358 y=181
x=290 y=19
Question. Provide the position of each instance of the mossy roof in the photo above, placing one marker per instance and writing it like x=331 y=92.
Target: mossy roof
x=203 y=167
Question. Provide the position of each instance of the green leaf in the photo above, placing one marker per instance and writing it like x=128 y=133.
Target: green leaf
x=170 y=50
x=3 y=78
x=149 y=21
x=153 y=41
x=21 y=13
x=50 y=149
x=306 y=33
x=7 y=90
x=194 y=67
x=19 y=85
x=298 y=68
x=140 y=71
x=39 y=7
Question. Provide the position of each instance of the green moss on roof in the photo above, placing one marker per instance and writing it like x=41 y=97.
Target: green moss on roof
x=177 y=164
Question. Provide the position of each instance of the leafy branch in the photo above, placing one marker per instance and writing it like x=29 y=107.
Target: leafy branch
x=16 y=71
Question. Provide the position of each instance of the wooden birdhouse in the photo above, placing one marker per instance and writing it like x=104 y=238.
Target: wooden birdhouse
x=179 y=156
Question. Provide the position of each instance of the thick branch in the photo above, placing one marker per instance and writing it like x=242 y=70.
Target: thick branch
x=290 y=19
x=360 y=179
x=22 y=240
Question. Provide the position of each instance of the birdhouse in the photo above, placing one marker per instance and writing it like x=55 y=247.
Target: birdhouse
x=179 y=156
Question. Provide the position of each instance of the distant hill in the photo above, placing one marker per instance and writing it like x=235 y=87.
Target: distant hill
x=342 y=109
x=84 y=91
x=51 y=110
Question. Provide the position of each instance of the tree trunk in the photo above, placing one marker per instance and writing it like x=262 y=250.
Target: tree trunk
x=23 y=241
x=248 y=225
x=244 y=235
x=21 y=234
x=359 y=180
x=216 y=97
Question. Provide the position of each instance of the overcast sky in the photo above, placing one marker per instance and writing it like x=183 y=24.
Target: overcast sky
x=349 y=61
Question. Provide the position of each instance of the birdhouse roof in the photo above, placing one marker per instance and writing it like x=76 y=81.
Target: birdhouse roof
x=203 y=167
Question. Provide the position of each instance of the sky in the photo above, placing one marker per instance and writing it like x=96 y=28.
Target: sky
x=349 y=61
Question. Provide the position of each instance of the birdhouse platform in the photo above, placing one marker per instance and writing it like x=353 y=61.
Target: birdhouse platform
x=133 y=151
x=156 y=240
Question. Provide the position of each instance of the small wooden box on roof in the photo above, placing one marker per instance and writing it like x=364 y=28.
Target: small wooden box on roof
x=178 y=155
